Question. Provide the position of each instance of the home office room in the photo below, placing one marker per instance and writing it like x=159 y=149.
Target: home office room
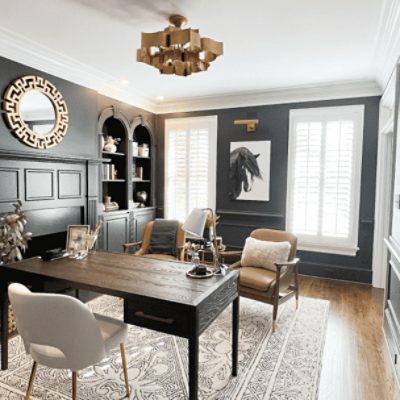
x=199 y=200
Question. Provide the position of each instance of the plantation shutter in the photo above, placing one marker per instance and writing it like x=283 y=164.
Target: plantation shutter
x=324 y=178
x=190 y=161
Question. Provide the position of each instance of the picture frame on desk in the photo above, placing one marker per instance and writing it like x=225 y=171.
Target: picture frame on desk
x=77 y=238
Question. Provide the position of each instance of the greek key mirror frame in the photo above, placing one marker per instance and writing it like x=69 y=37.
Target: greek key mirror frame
x=11 y=107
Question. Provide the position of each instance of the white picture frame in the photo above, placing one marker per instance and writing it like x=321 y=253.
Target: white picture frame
x=249 y=172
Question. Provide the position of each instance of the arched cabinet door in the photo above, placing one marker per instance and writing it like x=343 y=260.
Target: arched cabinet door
x=143 y=161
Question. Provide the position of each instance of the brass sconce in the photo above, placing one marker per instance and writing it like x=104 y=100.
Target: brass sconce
x=250 y=124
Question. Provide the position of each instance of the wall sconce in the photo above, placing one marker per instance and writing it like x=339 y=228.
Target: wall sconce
x=250 y=124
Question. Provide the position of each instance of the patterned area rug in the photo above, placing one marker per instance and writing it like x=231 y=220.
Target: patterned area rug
x=284 y=365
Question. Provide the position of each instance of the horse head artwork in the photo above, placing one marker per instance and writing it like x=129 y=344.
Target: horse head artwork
x=243 y=168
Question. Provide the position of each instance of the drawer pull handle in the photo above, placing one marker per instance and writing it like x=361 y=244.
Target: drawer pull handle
x=154 y=318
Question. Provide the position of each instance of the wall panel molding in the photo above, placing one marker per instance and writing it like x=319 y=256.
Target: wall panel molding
x=10 y=185
x=39 y=184
x=69 y=184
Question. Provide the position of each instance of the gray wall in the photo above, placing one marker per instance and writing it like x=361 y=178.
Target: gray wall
x=239 y=218
x=84 y=107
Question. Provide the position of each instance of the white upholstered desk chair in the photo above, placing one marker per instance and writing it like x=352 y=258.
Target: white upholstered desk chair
x=61 y=332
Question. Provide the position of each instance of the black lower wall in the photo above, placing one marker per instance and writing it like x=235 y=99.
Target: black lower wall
x=239 y=218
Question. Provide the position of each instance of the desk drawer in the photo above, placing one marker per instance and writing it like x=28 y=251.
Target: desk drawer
x=164 y=317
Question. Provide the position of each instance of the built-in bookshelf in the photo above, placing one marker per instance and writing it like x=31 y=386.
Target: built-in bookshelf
x=129 y=169
x=142 y=163
x=115 y=163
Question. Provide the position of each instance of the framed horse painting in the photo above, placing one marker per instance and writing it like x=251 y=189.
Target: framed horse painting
x=250 y=170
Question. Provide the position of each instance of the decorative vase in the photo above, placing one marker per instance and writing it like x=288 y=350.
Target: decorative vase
x=109 y=144
x=141 y=197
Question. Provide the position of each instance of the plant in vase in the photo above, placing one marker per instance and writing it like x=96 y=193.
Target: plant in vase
x=13 y=239
x=92 y=236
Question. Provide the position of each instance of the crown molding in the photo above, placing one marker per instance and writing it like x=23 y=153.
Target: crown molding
x=387 y=43
x=21 y=49
x=298 y=94
x=26 y=51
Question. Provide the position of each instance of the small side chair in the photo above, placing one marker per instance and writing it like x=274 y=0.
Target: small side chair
x=272 y=287
x=61 y=332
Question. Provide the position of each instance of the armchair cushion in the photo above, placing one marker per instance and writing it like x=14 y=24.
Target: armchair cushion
x=257 y=278
x=263 y=254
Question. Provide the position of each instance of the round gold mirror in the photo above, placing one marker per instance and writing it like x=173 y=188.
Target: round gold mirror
x=36 y=112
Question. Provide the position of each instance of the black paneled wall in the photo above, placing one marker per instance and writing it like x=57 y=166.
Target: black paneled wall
x=60 y=185
x=239 y=218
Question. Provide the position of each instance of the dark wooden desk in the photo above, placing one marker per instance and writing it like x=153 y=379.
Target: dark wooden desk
x=157 y=295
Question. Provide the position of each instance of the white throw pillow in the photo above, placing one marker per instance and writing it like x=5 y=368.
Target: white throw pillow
x=263 y=254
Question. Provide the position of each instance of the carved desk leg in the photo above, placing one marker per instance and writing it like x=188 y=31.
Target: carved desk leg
x=235 y=335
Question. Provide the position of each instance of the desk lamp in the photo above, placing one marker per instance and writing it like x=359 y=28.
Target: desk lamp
x=194 y=227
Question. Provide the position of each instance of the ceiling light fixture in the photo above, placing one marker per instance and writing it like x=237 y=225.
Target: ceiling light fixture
x=178 y=51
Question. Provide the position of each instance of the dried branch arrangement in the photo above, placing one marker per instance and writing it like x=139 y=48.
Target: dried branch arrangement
x=13 y=239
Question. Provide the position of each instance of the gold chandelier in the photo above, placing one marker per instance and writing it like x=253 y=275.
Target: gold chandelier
x=178 y=51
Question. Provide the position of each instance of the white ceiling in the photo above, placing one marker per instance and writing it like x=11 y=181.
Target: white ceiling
x=268 y=44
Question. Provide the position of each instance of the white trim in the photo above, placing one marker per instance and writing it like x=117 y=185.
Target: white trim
x=384 y=182
x=344 y=251
x=387 y=43
x=28 y=52
x=303 y=93
x=346 y=246
x=211 y=122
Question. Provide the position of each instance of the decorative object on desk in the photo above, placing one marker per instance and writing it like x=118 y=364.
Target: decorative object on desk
x=142 y=198
x=178 y=51
x=194 y=228
x=135 y=149
x=22 y=99
x=13 y=239
x=92 y=236
x=109 y=205
x=144 y=150
x=199 y=271
x=76 y=242
x=53 y=254
x=110 y=144
x=250 y=170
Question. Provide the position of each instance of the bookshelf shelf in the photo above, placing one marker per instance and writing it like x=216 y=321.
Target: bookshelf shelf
x=113 y=154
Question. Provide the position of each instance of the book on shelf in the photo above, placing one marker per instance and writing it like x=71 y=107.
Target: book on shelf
x=109 y=172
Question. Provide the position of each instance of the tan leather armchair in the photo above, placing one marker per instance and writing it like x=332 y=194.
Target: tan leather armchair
x=145 y=245
x=272 y=287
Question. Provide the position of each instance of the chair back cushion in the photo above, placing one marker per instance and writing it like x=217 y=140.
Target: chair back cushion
x=273 y=235
x=263 y=254
x=59 y=321
x=147 y=235
x=163 y=237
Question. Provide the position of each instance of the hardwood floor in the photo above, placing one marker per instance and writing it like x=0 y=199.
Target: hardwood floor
x=355 y=360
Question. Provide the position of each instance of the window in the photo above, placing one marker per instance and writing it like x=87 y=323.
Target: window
x=190 y=165
x=324 y=174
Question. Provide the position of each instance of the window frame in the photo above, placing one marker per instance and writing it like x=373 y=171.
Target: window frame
x=329 y=244
x=185 y=123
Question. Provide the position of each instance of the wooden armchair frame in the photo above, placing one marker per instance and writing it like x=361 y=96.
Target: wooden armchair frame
x=286 y=282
